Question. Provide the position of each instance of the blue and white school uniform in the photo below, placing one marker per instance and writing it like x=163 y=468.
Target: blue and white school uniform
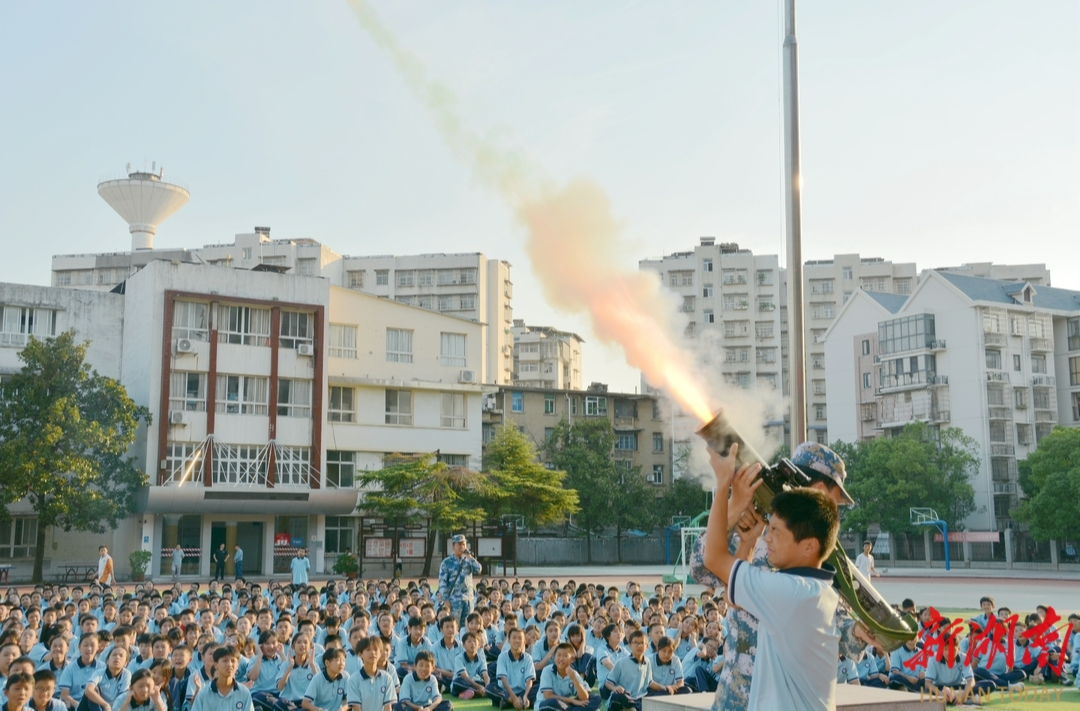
x=210 y=699
x=371 y=693
x=326 y=693
x=551 y=680
x=77 y=675
x=514 y=672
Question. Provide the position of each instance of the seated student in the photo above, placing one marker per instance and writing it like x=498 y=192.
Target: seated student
x=701 y=666
x=514 y=674
x=372 y=688
x=224 y=693
x=871 y=668
x=470 y=671
x=204 y=676
x=44 y=693
x=144 y=694
x=19 y=689
x=419 y=690
x=57 y=658
x=632 y=676
x=798 y=643
x=846 y=673
x=608 y=654
x=583 y=662
x=562 y=687
x=297 y=674
x=327 y=690
x=667 y=670
x=983 y=618
x=543 y=650
x=900 y=675
x=1072 y=654
x=161 y=672
x=952 y=678
x=112 y=686
x=84 y=671
x=265 y=670
x=994 y=667
x=446 y=653
x=411 y=645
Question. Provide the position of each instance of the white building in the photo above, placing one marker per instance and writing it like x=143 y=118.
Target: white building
x=268 y=392
x=546 y=357
x=998 y=359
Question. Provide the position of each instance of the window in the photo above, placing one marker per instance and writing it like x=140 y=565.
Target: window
x=63 y=278
x=425 y=277
x=354 y=279
x=517 y=402
x=847 y=295
x=1016 y=363
x=410 y=300
x=342 y=407
x=549 y=432
x=993 y=360
x=184 y=463
x=457 y=276
x=706 y=265
x=454 y=460
x=1074 y=371
x=688 y=303
x=243 y=325
x=85 y=277
x=453 y=410
x=819 y=412
x=20 y=323
x=405 y=277
x=399 y=345
x=595 y=406
x=342 y=341
x=446 y=303
x=817 y=361
x=764 y=277
x=292 y=465
x=18 y=538
x=468 y=302
x=819 y=387
x=242 y=395
x=998 y=431
x=307 y=267
x=239 y=464
x=549 y=404
x=295 y=329
x=906 y=334
x=1038 y=364
x=276 y=260
x=821 y=286
x=1074 y=334
x=902 y=285
x=626 y=441
x=707 y=291
x=190 y=320
x=187 y=392
x=382 y=277
x=657 y=476
x=822 y=436
x=339 y=532
x=658 y=442
x=1041 y=398
x=763 y=330
x=452 y=350
x=848 y=276
x=1020 y=398
x=398 y=407
x=866 y=347
x=866 y=381
x=710 y=317
x=294 y=398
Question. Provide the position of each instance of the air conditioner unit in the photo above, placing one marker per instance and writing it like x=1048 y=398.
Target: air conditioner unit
x=178 y=418
x=467 y=376
x=185 y=345
x=305 y=349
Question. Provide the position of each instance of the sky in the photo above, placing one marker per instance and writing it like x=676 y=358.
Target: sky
x=932 y=132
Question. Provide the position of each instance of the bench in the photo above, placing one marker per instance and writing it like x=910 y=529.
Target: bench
x=69 y=571
x=4 y=570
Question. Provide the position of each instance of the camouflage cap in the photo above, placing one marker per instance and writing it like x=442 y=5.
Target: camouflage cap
x=817 y=458
x=457 y=538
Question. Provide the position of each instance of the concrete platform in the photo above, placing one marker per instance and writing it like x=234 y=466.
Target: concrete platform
x=848 y=698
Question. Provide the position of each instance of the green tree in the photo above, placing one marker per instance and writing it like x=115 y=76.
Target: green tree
x=520 y=484
x=686 y=497
x=633 y=505
x=1050 y=478
x=889 y=475
x=583 y=450
x=417 y=489
x=65 y=432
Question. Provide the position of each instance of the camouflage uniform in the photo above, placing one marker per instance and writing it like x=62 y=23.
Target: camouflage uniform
x=456 y=585
x=740 y=646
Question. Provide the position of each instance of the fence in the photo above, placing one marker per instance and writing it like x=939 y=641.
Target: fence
x=572 y=551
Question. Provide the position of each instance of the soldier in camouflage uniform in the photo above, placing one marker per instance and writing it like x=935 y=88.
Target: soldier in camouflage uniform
x=827 y=473
x=455 y=580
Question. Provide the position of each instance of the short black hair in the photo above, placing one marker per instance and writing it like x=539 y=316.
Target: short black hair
x=809 y=513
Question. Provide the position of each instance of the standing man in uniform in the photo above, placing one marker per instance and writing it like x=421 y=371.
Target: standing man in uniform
x=455 y=580
x=238 y=562
x=220 y=556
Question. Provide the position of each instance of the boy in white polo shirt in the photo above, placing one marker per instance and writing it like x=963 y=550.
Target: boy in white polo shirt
x=798 y=644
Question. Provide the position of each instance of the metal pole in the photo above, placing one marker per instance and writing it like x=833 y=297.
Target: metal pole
x=793 y=230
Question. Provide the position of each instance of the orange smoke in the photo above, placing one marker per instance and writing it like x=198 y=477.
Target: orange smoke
x=573 y=240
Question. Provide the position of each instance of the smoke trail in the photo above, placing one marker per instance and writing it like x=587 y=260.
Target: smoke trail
x=571 y=237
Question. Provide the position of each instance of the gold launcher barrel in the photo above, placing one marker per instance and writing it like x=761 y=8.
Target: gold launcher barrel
x=866 y=604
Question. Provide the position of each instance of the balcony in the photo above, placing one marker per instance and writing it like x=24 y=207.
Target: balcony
x=1043 y=380
x=1074 y=343
x=1041 y=345
x=766 y=306
x=909 y=381
x=1076 y=413
x=1002 y=450
x=938 y=380
x=626 y=422
x=1045 y=416
x=730 y=279
x=998 y=377
x=1000 y=413
x=995 y=339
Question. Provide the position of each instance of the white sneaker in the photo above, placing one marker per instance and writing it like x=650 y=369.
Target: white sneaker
x=1018 y=686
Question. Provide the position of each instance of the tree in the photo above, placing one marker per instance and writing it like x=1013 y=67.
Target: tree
x=686 y=497
x=414 y=489
x=633 y=505
x=583 y=450
x=889 y=475
x=65 y=432
x=1050 y=478
x=520 y=484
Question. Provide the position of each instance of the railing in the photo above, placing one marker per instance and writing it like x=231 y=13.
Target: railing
x=1045 y=380
x=1045 y=416
x=998 y=377
x=1002 y=450
x=625 y=421
x=1074 y=343
x=1042 y=344
x=937 y=345
x=766 y=306
x=1000 y=413
x=763 y=336
x=736 y=279
x=13 y=339
x=940 y=415
x=995 y=339
x=1076 y=413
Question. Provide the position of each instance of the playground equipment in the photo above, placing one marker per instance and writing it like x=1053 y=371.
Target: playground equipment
x=689 y=529
x=929 y=517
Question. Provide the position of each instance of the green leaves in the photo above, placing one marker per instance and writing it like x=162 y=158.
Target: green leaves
x=1050 y=478
x=415 y=489
x=520 y=484
x=65 y=432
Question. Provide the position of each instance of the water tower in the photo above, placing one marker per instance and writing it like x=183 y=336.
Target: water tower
x=144 y=200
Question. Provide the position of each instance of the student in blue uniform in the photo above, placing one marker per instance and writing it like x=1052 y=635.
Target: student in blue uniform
x=44 y=693
x=144 y=695
x=411 y=645
x=562 y=687
x=608 y=654
x=900 y=675
x=632 y=677
x=420 y=690
x=514 y=674
x=470 y=671
x=667 y=670
x=327 y=690
x=224 y=693
x=371 y=689
x=19 y=690
x=112 y=686
x=85 y=670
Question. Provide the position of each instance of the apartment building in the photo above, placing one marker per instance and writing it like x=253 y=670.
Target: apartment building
x=545 y=357
x=998 y=359
x=466 y=285
x=642 y=430
x=269 y=392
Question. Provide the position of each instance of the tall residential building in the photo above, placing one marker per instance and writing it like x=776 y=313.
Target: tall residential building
x=546 y=357
x=269 y=393
x=998 y=359
x=642 y=429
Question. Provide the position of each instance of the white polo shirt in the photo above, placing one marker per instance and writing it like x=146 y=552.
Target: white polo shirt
x=798 y=645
